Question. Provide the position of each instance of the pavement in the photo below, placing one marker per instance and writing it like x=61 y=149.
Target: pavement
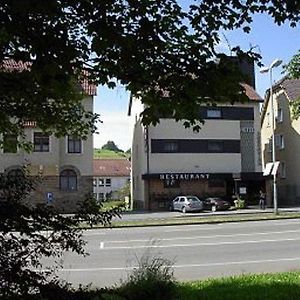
x=161 y=215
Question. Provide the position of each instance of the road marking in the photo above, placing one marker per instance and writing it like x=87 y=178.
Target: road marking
x=200 y=244
x=239 y=225
x=101 y=245
x=202 y=237
x=90 y=233
x=186 y=265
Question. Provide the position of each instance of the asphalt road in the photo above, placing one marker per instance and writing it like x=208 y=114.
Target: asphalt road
x=197 y=251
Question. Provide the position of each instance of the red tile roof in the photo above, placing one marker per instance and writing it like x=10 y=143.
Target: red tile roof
x=12 y=65
x=292 y=88
x=251 y=93
x=111 y=167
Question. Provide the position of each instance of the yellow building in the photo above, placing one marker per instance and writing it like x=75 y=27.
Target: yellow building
x=287 y=140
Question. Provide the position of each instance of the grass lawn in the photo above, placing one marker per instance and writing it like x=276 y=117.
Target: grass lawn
x=99 y=153
x=205 y=220
x=112 y=204
x=247 y=287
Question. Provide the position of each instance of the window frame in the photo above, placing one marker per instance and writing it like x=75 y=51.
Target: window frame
x=280 y=143
x=171 y=147
x=74 y=141
x=279 y=115
x=15 y=145
x=43 y=137
x=209 y=143
x=282 y=169
x=210 y=110
x=106 y=182
x=68 y=177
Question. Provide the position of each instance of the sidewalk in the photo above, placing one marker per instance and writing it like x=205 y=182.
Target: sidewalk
x=166 y=215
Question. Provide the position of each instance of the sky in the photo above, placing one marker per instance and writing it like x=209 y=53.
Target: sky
x=272 y=42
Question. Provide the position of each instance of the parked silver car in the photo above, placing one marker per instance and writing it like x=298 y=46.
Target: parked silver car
x=186 y=203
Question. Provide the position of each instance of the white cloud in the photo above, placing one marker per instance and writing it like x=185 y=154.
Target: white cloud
x=117 y=127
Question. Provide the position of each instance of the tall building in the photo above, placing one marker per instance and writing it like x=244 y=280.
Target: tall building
x=287 y=139
x=222 y=159
x=65 y=164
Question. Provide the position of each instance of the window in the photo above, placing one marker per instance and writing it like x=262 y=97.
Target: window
x=10 y=144
x=282 y=169
x=14 y=176
x=213 y=113
x=41 y=142
x=95 y=182
x=108 y=182
x=68 y=180
x=14 y=173
x=171 y=147
x=279 y=141
x=270 y=145
x=215 y=146
x=280 y=115
x=268 y=119
x=101 y=196
x=100 y=181
x=195 y=146
x=74 y=144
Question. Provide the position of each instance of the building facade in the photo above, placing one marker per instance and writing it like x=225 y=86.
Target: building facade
x=287 y=140
x=222 y=159
x=110 y=175
x=65 y=165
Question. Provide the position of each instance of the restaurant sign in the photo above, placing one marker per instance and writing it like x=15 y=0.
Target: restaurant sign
x=183 y=176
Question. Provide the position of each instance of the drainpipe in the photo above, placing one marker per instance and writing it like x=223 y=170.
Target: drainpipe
x=147 y=165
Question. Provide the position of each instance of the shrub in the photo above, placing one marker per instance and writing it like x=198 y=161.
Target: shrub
x=152 y=279
x=239 y=203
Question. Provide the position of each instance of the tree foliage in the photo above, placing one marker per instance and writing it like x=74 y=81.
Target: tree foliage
x=158 y=51
x=30 y=233
x=293 y=70
x=293 y=67
x=110 y=145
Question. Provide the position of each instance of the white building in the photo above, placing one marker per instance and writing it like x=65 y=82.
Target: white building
x=222 y=159
x=110 y=175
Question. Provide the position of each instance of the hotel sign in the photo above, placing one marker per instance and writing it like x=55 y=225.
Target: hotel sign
x=183 y=176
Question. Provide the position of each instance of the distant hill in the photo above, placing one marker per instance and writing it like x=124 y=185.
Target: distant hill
x=104 y=153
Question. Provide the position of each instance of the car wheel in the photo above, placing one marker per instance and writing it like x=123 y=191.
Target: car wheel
x=213 y=208
x=184 y=209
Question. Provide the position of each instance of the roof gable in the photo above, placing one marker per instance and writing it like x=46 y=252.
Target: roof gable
x=111 y=167
x=11 y=65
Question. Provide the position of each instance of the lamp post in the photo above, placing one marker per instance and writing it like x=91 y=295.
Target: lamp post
x=274 y=64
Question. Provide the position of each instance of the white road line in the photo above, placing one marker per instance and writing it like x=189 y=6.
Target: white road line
x=228 y=263
x=196 y=227
x=201 y=244
x=101 y=245
x=201 y=237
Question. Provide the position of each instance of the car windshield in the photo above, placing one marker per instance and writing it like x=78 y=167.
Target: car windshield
x=193 y=199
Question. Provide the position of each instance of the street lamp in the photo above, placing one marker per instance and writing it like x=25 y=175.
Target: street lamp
x=274 y=64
